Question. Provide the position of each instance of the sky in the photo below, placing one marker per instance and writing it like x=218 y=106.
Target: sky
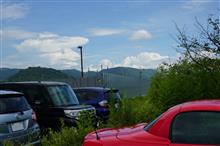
x=127 y=33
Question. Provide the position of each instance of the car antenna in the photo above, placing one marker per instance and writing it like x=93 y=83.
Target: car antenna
x=97 y=136
x=96 y=126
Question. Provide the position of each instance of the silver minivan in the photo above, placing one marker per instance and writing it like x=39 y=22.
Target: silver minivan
x=18 y=123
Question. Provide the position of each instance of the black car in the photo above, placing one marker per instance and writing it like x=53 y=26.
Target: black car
x=99 y=98
x=17 y=120
x=52 y=102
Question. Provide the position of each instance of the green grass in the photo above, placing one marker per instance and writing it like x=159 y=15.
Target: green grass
x=70 y=135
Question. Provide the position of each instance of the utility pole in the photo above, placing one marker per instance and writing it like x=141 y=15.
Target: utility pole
x=81 y=56
x=102 y=75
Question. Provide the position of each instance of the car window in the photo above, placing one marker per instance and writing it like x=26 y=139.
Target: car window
x=13 y=104
x=62 y=95
x=196 y=128
x=112 y=94
x=84 y=95
x=33 y=94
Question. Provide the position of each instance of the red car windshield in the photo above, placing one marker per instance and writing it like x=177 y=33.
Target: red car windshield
x=147 y=127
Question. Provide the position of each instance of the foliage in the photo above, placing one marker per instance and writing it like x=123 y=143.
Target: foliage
x=203 y=48
x=196 y=75
x=184 y=81
x=8 y=143
x=132 y=111
x=70 y=135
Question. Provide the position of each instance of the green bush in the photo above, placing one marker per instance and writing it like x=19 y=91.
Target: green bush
x=132 y=111
x=70 y=135
x=8 y=143
x=184 y=81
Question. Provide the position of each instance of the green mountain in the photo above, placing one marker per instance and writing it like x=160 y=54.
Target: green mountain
x=121 y=71
x=72 y=72
x=39 y=74
x=5 y=73
x=131 y=72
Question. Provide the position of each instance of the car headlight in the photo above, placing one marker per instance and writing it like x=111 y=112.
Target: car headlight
x=72 y=113
x=103 y=103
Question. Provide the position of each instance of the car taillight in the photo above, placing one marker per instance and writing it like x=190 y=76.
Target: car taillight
x=34 y=117
x=103 y=103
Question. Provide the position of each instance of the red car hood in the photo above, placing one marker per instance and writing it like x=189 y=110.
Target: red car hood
x=106 y=132
x=129 y=135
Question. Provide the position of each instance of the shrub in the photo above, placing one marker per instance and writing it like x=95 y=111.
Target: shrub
x=8 y=143
x=70 y=135
x=132 y=111
x=184 y=81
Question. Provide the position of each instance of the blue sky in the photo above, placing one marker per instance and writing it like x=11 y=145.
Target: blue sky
x=113 y=33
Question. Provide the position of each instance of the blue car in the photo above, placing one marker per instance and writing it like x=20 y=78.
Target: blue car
x=18 y=122
x=99 y=98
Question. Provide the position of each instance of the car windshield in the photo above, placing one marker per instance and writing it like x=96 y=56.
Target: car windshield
x=148 y=126
x=13 y=104
x=62 y=95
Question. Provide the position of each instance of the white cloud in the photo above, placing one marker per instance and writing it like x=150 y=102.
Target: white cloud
x=141 y=35
x=14 y=11
x=16 y=33
x=94 y=67
x=49 y=42
x=106 y=63
x=142 y=60
x=47 y=49
x=192 y=4
x=105 y=31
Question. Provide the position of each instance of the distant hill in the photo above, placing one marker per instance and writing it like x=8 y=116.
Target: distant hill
x=72 y=72
x=130 y=81
x=77 y=74
x=38 y=74
x=5 y=73
x=122 y=71
x=131 y=72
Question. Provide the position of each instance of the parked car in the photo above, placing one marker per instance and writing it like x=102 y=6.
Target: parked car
x=17 y=120
x=52 y=102
x=99 y=98
x=189 y=124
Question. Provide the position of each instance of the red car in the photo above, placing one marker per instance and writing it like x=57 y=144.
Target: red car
x=194 y=123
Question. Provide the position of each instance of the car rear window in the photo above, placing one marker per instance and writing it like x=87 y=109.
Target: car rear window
x=84 y=95
x=13 y=104
x=196 y=128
